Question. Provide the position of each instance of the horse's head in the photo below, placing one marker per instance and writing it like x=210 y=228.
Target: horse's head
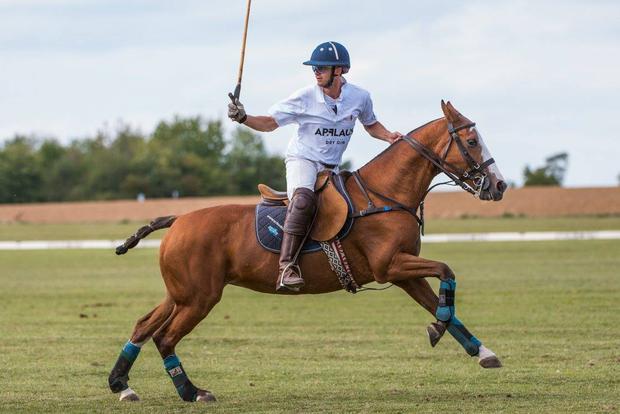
x=469 y=160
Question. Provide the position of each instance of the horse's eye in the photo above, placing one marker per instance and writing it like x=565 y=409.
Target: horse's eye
x=472 y=142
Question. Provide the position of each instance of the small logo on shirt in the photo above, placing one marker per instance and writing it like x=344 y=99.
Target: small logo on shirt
x=333 y=132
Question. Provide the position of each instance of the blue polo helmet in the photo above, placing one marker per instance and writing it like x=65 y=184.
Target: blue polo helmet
x=330 y=54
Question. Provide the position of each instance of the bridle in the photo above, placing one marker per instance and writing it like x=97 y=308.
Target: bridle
x=476 y=172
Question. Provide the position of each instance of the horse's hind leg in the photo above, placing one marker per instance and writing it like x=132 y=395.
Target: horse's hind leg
x=144 y=329
x=183 y=319
x=420 y=290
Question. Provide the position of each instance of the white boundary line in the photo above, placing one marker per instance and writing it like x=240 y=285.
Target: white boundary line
x=432 y=238
x=70 y=244
x=523 y=236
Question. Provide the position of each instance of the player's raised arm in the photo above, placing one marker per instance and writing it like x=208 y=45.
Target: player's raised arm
x=262 y=123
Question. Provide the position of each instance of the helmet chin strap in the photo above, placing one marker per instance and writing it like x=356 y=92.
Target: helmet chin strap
x=331 y=78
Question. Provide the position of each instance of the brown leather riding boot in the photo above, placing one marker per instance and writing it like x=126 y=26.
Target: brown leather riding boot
x=299 y=217
x=289 y=272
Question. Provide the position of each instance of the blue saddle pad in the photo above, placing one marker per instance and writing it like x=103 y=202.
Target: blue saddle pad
x=269 y=225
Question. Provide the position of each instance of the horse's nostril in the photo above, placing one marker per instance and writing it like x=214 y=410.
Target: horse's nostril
x=501 y=186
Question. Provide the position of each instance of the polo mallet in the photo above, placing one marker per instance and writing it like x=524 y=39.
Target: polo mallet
x=235 y=96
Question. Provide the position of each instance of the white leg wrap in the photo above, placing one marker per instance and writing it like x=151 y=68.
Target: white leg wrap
x=128 y=395
x=484 y=352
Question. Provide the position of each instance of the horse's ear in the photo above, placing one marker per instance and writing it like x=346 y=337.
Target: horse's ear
x=444 y=108
x=449 y=111
x=453 y=110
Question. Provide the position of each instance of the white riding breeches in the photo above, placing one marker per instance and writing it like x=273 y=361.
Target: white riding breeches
x=301 y=172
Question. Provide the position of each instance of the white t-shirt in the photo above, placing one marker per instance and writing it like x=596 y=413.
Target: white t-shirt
x=323 y=132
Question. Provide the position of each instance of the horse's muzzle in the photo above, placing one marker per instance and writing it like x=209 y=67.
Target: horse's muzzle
x=493 y=189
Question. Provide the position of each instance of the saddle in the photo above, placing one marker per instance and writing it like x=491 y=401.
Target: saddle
x=332 y=219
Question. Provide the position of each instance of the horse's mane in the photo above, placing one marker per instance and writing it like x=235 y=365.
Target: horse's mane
x=409 y=133
x=422 y=126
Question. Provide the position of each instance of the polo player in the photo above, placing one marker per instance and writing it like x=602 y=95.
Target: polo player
x=325 y=115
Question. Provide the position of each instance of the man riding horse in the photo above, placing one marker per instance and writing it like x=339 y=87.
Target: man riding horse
x=211 y=248
x=325 y=115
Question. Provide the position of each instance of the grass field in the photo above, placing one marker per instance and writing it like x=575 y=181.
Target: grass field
x=111 y=231
x=548 y=309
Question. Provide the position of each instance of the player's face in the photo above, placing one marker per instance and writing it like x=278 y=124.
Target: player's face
x=322 y=74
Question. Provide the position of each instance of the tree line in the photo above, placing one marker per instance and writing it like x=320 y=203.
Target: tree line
x=184 y=157
x=550 y=174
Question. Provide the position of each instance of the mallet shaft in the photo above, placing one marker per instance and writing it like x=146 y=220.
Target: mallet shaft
x=237 y=92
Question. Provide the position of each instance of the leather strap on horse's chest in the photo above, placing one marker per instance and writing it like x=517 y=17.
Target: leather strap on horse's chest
x=339 y=264
x=372 y=209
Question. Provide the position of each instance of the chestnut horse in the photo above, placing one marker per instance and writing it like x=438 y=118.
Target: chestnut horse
x=207 y=249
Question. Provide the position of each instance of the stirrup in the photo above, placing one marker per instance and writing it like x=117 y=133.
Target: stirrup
x=281 y=287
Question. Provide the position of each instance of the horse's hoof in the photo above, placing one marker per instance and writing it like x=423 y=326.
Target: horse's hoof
x=128 y=395
x=435 y=331
x=205 y=396
x=490 y=362
x=487 y=358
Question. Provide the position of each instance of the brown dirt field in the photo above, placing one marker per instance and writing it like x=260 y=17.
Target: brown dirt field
x=531 y=202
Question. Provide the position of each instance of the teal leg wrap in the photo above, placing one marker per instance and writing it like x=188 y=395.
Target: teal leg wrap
x=445 y=308
x=130 y=351
x=187 y=391
x=464 y=337
x=120 y=373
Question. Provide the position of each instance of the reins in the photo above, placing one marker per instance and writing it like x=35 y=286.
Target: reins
x=475 y=169
x=476 y=173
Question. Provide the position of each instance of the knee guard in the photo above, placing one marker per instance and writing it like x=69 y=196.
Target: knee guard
x=445 y=308
x=300 y=212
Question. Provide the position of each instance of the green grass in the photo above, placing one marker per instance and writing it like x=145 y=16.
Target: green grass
x=85 y=231
x=68 y=231
x=548 y=309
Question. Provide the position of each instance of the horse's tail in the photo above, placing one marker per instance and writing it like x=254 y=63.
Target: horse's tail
x=133 y=240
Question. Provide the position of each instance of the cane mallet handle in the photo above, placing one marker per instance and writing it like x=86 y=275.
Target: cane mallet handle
x=235 y=95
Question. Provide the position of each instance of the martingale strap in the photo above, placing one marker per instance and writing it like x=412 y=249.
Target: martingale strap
x=373 y=209
x=339 y=264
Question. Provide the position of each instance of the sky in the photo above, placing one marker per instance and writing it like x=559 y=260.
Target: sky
x=538 y=77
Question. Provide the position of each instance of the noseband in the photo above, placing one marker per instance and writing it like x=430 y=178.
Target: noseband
x=476 y=172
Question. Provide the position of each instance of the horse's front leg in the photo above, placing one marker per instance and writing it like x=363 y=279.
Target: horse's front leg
x=408 y=272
